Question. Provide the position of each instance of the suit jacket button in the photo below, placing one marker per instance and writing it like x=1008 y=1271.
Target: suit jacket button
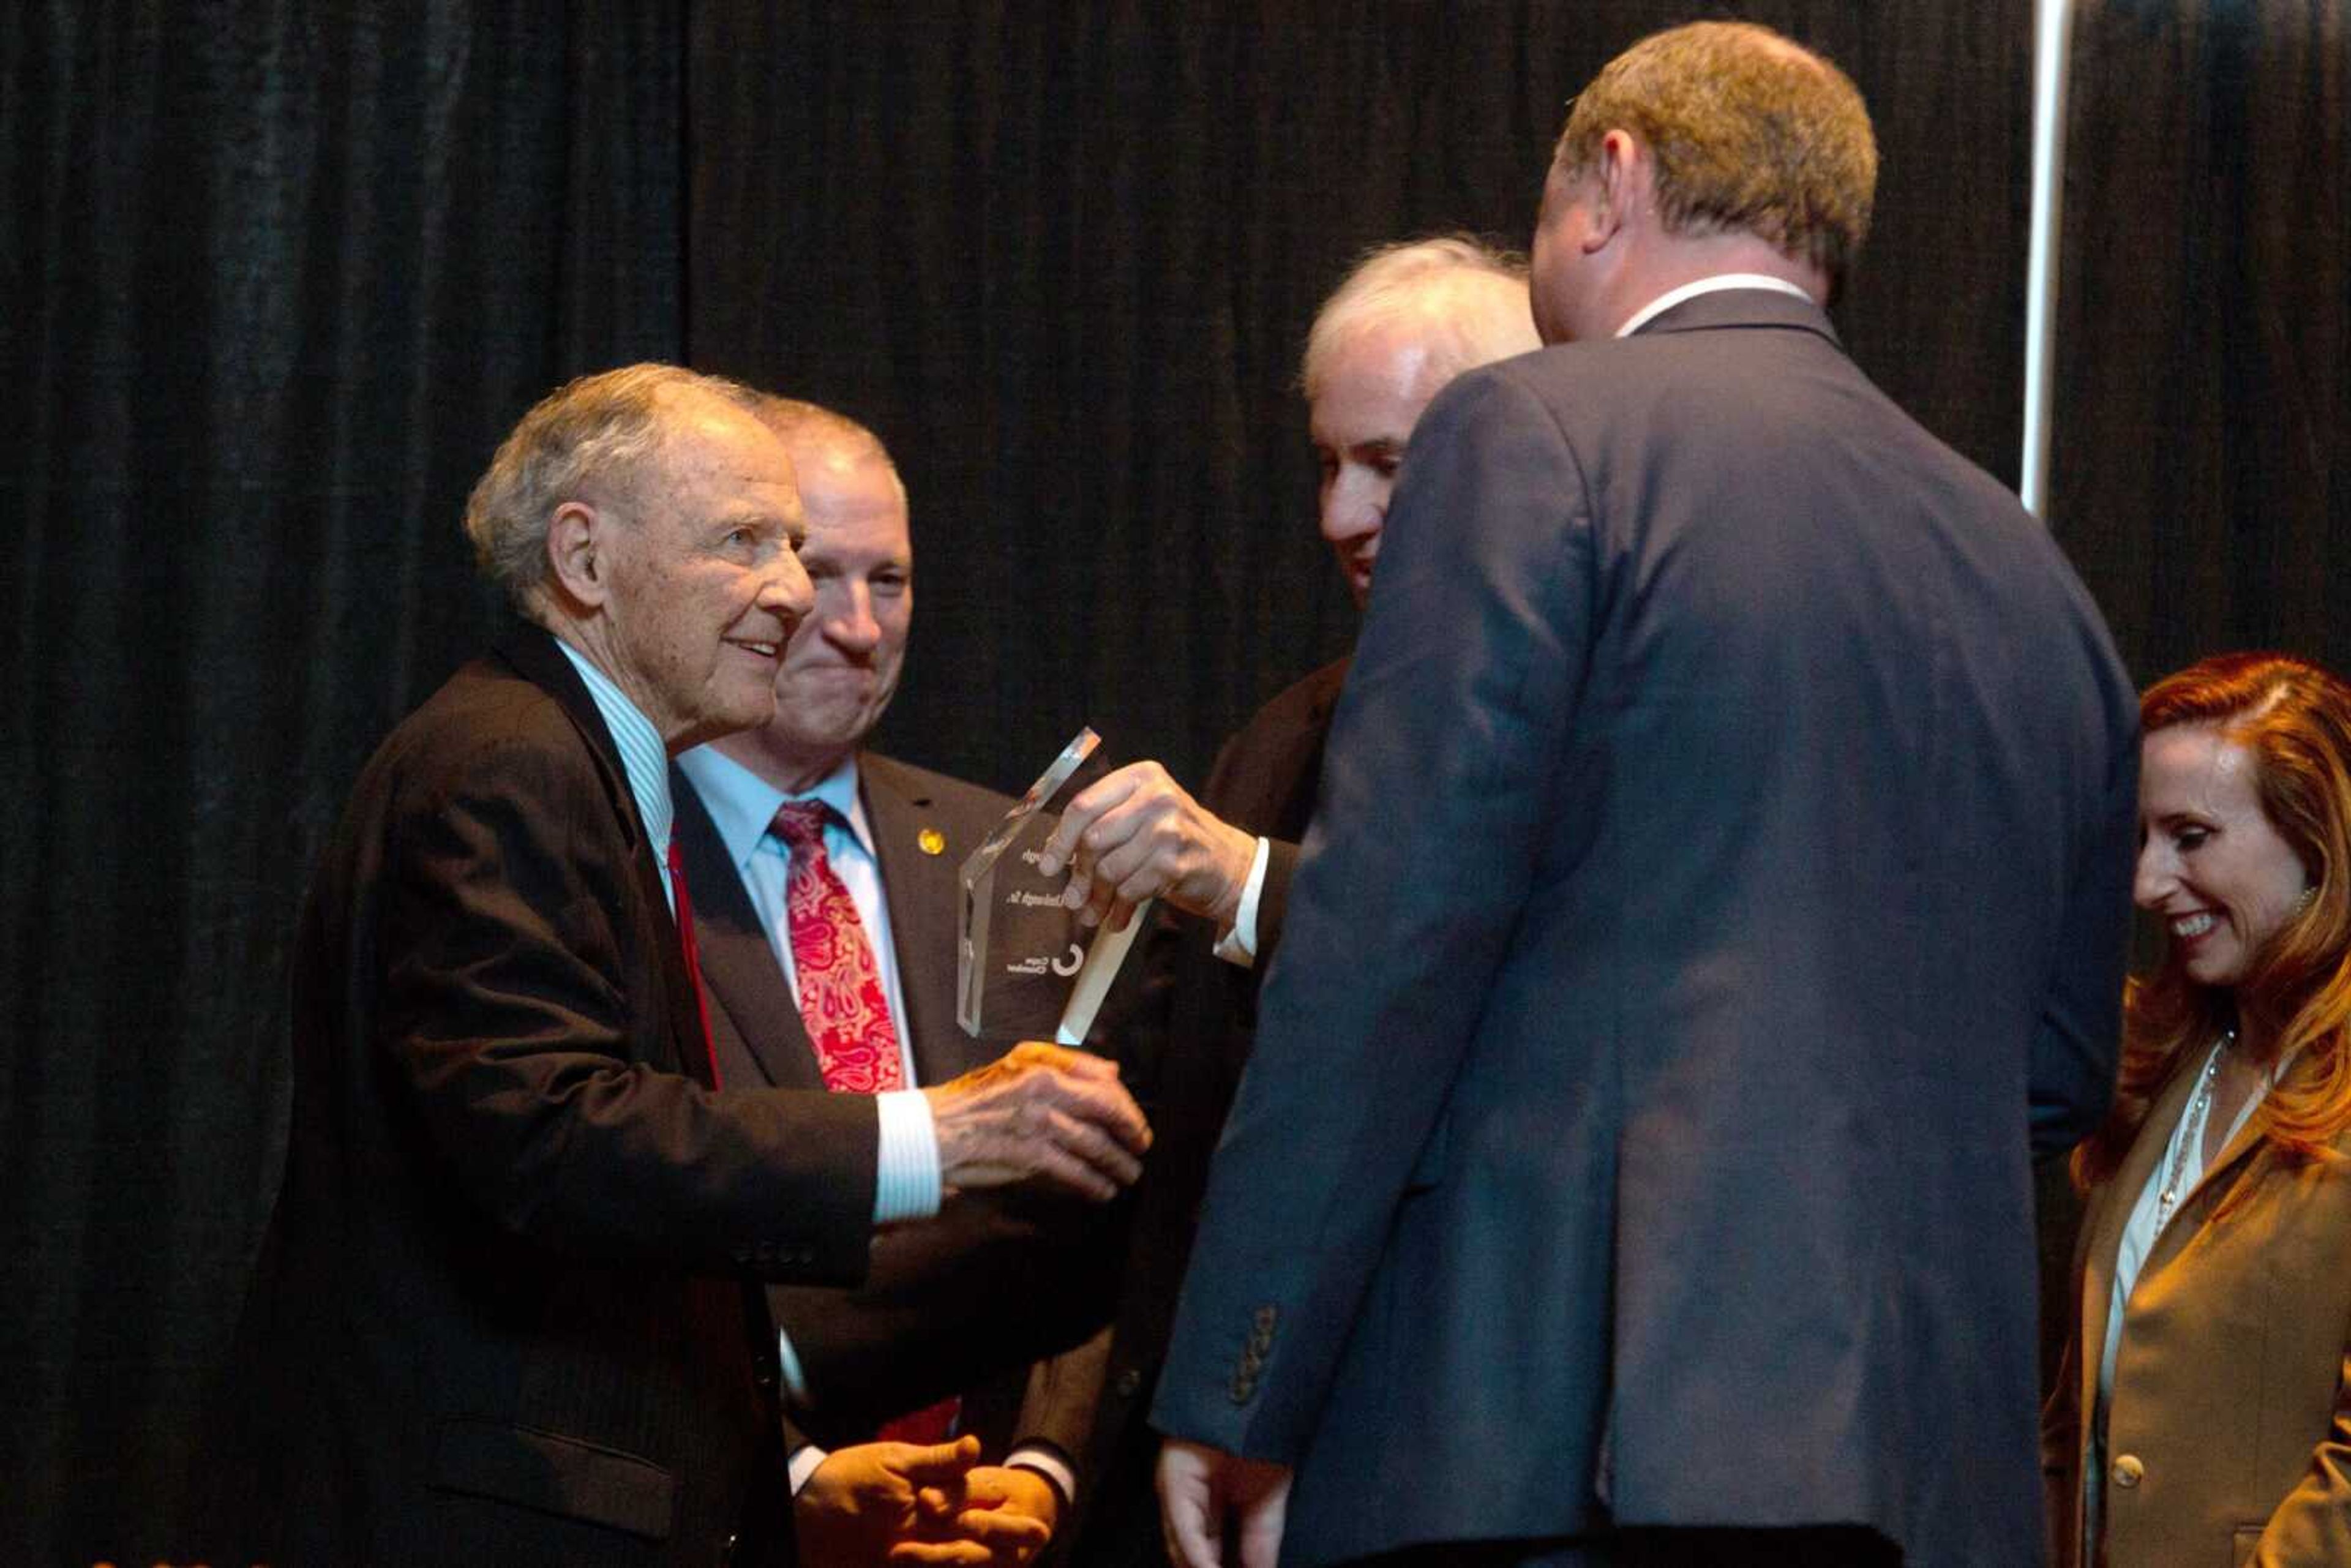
x=1129 y=1384
x=727 y=1552
x=2127 y=1471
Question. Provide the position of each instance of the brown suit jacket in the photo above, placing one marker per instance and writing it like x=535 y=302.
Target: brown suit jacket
x=2228 y=1412
x=960 y=1304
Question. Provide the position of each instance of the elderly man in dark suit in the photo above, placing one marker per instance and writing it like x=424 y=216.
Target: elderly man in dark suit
x=1719 y=884
x=1405 y=319
x=957 y=1308
x=507 y=1310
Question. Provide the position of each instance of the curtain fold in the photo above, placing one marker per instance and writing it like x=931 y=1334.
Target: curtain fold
x=2202 y=403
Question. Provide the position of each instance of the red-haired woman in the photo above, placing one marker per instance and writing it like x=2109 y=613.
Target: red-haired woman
x=2202 y=1417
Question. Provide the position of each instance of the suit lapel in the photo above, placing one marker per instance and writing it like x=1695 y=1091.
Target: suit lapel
x=532 y=652
x=922 y=890
x=2230 y=1168
x=739 y=967
x=2117 y=1199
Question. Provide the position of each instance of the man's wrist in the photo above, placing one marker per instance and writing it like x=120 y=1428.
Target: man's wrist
x=1046 y=1460
x=906 y=1163
x=804 y=1464
x=1237 y=944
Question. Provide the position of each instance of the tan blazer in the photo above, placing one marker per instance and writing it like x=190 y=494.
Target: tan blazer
x=2229 y=1432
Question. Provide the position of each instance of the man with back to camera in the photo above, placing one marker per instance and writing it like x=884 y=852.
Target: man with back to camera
x=506 y=1309
x=1406 y=320
x=826 y=871
x=1695 y=938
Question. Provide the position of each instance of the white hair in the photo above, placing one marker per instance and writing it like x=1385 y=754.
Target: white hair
x=1469 y=298
x=589 y=439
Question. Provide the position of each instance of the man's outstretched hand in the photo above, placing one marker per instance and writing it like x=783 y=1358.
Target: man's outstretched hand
x=1039 y=1113
x=1136 y=834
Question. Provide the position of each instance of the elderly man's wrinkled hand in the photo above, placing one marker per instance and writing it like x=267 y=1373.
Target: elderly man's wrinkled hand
x=1041 y=1112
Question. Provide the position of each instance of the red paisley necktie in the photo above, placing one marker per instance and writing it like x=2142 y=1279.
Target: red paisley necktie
x=845 y=1011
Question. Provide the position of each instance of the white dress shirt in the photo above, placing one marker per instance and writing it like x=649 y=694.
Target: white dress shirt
x=1714 y=284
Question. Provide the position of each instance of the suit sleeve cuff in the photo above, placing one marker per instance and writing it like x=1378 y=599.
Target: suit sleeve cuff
x=1238 y=945
x=1047 y=1461
x=906 y=1174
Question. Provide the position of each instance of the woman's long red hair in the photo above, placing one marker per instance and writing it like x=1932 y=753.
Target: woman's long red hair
x=2295 y=719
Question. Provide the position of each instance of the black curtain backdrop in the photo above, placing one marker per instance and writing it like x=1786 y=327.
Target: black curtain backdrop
x=1064 y=257
x=279 y=276
x=2203 y=386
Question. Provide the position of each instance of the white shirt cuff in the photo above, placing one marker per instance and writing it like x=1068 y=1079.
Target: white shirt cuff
x=906 y=1170
x=1046 y=1463
x=1238 y=945
x=803 y=1465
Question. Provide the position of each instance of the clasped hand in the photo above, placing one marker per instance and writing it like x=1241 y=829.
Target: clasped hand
x=904 y=1503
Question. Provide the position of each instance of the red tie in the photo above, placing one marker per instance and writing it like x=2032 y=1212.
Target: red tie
x=693 y=958
x=846 y=1010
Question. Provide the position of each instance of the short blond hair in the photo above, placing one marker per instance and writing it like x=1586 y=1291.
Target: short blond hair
x=1749 y=131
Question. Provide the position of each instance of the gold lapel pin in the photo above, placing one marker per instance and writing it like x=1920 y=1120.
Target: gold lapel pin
x=930 y=842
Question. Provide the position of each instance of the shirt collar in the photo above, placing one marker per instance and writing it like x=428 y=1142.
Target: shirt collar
x=742 y=804
x=1691 y=290
x=643 y=758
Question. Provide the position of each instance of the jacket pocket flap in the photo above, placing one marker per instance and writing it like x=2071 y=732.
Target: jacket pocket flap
x=556 y=1475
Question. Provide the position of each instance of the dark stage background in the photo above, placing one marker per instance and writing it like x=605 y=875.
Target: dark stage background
x=277 y=278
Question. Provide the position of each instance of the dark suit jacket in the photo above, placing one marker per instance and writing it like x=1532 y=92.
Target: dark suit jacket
x=501 y=1314
x=1203 y=1014
x=1721 y=871
x=962 y=1304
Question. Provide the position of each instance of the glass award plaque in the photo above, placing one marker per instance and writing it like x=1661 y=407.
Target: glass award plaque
x=1027 y=968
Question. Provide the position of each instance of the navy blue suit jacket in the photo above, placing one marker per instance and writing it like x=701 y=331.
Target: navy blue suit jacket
x=1720 y=880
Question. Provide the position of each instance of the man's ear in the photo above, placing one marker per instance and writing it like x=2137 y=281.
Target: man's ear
x=1620 y=175
x=579 y=570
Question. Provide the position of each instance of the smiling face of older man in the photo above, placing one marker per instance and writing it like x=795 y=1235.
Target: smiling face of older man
x=685 y=584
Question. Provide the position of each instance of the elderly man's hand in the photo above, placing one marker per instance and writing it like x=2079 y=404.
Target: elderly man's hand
x=1136 y=835
x=865 y=1499
x=1201 y=1488
x=1039 y=1113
